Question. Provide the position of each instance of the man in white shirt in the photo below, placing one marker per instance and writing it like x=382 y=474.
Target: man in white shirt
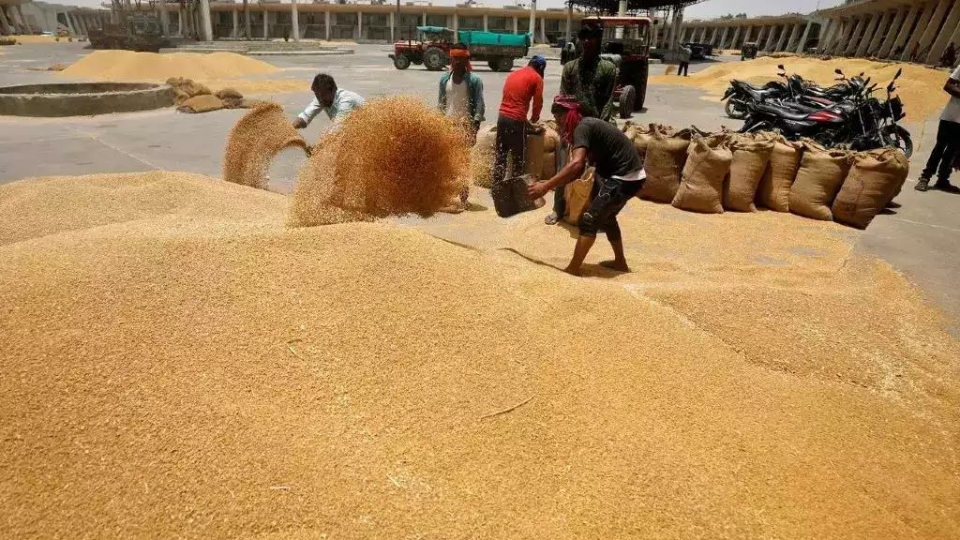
x=948 y=141
x=461 y=92
x=336 y=102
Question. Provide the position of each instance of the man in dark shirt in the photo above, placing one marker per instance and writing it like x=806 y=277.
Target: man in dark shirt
x=591 y=80
x=618 y=177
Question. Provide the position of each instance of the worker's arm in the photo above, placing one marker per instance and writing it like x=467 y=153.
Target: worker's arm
x=952 y=87
x=481 y=107
x=573 y=170
x=304 y=118
x=537 y=101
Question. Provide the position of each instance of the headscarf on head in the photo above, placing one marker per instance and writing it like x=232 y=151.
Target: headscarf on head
x=462 y=53
x=538 y=63
x=573 y=117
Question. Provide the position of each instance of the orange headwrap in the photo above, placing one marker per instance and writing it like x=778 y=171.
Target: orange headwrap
x=459 y=53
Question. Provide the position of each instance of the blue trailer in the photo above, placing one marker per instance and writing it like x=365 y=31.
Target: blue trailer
x=432 y=49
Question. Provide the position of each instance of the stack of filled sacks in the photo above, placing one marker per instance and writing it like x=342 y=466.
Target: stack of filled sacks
x=712 y=173
x=540 y=160
x=193 y=97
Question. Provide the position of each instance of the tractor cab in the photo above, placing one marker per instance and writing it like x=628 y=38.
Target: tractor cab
x=626 y=43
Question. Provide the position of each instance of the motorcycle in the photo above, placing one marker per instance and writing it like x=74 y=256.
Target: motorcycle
x=741 y=92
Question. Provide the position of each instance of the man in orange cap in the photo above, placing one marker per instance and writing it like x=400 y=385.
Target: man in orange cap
x=461 y=92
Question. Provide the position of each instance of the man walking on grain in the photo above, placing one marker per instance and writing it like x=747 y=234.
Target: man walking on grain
x=948 y=141
x=336 y=102
x=591 y=81
x=618 y=178
x=522 y=92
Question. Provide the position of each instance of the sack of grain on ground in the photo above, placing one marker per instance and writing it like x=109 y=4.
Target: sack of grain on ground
x=533 y=160
x=873 y=181
x=201 y=104
x=774 y=189
x=751 y=155
x=818 y=180
x=701 y=186
x=185 y=89
x=254 y=141
x=665 y=158
x=578 y=196
x=551 y=137
x=228 y=93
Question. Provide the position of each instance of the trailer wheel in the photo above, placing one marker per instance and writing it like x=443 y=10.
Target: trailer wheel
x=503 y=63
x=401 y=62
x=434 y=59
x=628 y=96
x=492 y=65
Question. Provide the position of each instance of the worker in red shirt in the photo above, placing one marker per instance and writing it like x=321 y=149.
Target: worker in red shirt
x=522 y=88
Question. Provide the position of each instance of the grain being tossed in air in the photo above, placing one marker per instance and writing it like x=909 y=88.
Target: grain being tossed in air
x=392 y=156
x=254 y=141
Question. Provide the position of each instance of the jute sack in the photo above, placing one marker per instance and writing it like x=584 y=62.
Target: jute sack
x=666 y=155
x=551 y=139
x=751 y=155
x=873 y=181
x=578 y=196
x=701 y=187
x=818 y=180
x=201 y=104
x=533 y=161
x=483 y=155
x=774 y=189
x=228 y=93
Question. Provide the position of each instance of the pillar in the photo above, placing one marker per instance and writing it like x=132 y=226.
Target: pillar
x=455 y=25
x=896 y=29
x=359 y=25
x=723 y=36
x=806 y=35
x=948 y=28
x=295 y=21
x=516 y=25
x=236 y=23
x=393 y=25
x=326 y=25
x=759 y=39
x=205 y=20
x=4 y=24
x=423 y=18
x=784 y=34
x=827 y=30
x=736 y=36
x=543 y=30
x=569 y=23
x=850 y=39
x=533 y=19
x=266 y=24
x=913 y=38
x=930 y=30
x=164 y=19
x=868 y=35
x=769 y=41
x=877 y=40
x=486 y=23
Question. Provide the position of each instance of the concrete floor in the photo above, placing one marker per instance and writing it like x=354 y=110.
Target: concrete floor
x=920 y=239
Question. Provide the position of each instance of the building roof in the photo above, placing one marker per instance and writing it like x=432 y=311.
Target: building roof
x=611 y=6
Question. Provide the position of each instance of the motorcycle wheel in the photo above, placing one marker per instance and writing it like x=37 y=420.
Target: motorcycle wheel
x=734 y=110
x=900 y=138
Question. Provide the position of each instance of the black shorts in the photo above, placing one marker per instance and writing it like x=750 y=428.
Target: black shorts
x=610 y=195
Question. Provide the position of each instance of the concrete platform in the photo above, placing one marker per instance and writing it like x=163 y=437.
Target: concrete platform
x=920 y=239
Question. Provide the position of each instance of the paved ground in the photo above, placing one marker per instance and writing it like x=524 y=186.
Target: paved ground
x=921 y=238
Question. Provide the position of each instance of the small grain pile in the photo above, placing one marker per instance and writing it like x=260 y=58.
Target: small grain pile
x=394 y=156
x=144 y=66
x=254 y=141
x=179 y=364
x=920 y=88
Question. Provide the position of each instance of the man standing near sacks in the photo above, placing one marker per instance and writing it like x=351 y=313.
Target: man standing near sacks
x=461 y=92
x=618 y=177
x=948 y=141
x=592 y=81
x=522 y=92
x=336 y=102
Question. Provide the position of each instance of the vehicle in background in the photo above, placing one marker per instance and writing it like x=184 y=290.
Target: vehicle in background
x=626 y=43
x=748 y=51
x=432 y=48
x=138 y=32
x=699 y=51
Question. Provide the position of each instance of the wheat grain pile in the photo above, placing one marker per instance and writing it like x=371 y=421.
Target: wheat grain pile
x=920 y=88
x=178 y=363
x=254 y=141
x=393 y=156
x=145 y=66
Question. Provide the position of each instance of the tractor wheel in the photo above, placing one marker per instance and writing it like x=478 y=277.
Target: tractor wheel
x=628 y=96
x=434 y=59
x=641 y=95
x=401 y=62
x=504 y=64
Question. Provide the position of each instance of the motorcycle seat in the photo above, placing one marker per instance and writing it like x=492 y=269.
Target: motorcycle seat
x=783 y=112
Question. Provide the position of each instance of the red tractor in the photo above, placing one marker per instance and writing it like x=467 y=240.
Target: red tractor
x=626 y=43
x=432 y=49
